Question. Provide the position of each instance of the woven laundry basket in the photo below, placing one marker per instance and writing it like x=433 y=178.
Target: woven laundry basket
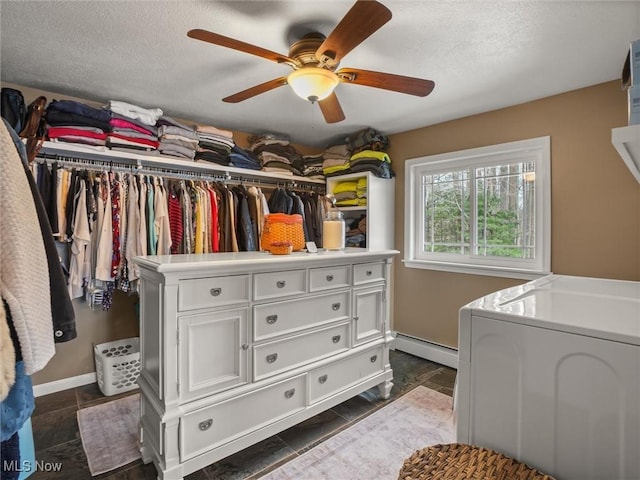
x=456 y=461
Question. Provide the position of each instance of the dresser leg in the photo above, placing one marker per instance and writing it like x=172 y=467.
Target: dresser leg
x=385 y=389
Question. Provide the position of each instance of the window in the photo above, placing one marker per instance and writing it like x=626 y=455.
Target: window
x=485 y=211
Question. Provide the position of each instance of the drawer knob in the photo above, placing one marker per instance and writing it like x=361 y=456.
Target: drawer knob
x=289 y=393
x=369 y=273
x=329 y=278
x=245 y=346
x=356 y=318
x=272 y=358
x=323 y=379
x=281 y=283
x=336 y=338
x=206 y=425
x=336 y=306
x=271 y=319
x=215 y=292
x=373 y=358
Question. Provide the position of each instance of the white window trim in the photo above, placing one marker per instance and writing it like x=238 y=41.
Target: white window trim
x=541 y=149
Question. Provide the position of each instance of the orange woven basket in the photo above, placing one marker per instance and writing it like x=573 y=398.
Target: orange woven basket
x=281 y=227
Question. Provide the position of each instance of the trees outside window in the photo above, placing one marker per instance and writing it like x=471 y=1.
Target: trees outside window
x=484 y=210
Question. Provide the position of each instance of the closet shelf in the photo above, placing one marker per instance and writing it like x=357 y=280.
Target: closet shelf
x=627 y=142
x=352 y=208
x=103 y=154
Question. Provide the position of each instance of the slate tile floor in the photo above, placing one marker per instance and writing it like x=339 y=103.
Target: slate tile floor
x=56 y=436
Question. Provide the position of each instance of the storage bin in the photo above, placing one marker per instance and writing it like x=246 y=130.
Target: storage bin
x=117 y=365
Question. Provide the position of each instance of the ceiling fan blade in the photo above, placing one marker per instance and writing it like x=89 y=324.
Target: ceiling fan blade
x=388 y=81
x=255 y=90
x=331 y=109
x=364 y=18
x=234 y=44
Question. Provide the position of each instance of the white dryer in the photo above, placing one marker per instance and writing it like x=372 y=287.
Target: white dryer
x=549 y=373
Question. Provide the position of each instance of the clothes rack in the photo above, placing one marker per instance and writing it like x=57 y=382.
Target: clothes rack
x=174 y=168
x=105 y=211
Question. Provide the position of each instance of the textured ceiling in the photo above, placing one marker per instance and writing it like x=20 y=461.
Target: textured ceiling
x=482 y=55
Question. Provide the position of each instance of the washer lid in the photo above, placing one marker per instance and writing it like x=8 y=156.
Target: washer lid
x=587 y=306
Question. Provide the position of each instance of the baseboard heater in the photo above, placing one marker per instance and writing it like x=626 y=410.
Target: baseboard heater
x=424 y=349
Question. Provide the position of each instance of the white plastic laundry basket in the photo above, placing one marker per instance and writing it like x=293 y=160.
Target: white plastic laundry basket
x=117 y=365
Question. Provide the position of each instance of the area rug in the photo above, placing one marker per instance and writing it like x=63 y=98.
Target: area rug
x=109 y=433
x=375 y=447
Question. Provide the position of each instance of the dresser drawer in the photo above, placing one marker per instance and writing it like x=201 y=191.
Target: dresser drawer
x=329 y=277
x=332 y=378
x=368 y=272
x=274 y=319
x=212 y=426
x=278 y=356
x=279 y=284
x=212 y=292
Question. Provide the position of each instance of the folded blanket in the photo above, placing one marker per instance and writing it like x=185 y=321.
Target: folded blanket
x=148 y=116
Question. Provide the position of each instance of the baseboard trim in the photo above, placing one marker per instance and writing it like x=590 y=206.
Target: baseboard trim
x=427 y=350
x=64 y=384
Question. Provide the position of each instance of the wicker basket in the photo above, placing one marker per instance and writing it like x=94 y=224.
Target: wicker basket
x=280 y=227
x=457 y=461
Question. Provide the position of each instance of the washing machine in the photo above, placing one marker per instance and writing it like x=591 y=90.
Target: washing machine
x=549 y=373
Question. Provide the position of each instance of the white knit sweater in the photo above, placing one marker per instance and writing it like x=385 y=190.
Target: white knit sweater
x=24 y=275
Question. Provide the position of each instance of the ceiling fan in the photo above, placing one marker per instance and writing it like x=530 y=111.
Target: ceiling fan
x=315 y=59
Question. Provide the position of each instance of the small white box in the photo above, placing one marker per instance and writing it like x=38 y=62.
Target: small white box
x=117 y=365
x=633 y=99
x=631 y=69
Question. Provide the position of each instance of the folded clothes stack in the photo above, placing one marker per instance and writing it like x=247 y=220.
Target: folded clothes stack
x=241 y=158
x=376 y=162
x=132 y=127
x=75 y=122
x=313 y=166
x=214 y=144
x=176 y=139
x=350 y=193
x=276 y=154
x=336 y=160
x=368 y=153
x=367 y=139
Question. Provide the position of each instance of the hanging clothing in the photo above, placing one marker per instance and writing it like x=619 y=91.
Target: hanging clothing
x=7 y=355
x=80 y=264
x=114 y=185
x=111 y=217
x=142 y=203
x=175 y=219
x=23 y=264
x=105 y=235
x=133 y=229
x=152 y=233
x=162 y=221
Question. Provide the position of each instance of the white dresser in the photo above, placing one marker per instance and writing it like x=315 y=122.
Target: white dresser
x=549 y=373
x=236 y=347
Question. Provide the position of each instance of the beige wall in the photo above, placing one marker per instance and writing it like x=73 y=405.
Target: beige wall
x=595 y=215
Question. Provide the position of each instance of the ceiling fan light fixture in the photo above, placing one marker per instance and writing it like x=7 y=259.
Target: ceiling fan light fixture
x=313 y=83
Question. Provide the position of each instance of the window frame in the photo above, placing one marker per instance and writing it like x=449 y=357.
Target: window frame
x=536 y=150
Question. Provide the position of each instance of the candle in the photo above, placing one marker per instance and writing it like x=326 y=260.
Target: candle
x=333 y=231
